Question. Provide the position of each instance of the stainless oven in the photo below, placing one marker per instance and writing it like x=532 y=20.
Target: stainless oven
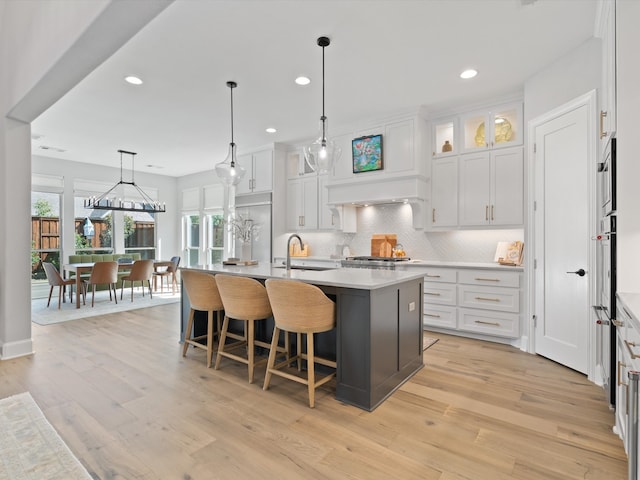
x=608 y=179
x=387 y=263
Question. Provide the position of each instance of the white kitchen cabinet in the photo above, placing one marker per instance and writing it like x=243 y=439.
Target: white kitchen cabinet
x=343 y=167
x=398 y=145
x=444 y=137
x=491 y=188
x=302 y=203
x=484 y=302
x=608 y=112
x=259 y=172
x=497 y=127
x=296 y=164
x=328 y=219
x=444 y=192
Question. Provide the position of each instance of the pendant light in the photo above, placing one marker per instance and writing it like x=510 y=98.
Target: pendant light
x=322 y=153
x=229 y=170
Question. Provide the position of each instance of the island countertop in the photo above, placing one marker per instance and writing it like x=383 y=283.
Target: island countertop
x=360 y=278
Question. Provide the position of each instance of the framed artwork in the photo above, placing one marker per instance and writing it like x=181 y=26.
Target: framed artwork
x=367 y=153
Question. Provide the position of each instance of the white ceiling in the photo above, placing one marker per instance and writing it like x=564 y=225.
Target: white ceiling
x=386 y=56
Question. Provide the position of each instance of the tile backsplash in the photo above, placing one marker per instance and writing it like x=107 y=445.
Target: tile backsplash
x=458 y=245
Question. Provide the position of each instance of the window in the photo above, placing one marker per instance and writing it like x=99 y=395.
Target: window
x=191 y=238
x=140 y=234
x=215 y=237
x=93 y=229
x=45 y=232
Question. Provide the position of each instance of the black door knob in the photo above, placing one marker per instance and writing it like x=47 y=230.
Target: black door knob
x=580 y=273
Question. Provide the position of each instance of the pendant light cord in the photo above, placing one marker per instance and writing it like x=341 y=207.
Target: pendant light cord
x=324 y=118
x=231 y=88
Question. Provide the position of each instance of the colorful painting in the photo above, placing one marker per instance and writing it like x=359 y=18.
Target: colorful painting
x=367 y=153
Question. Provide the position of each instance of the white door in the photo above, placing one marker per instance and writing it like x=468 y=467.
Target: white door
x=562 y=239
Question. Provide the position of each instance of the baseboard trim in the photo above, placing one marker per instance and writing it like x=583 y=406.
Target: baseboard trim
x=11 y=350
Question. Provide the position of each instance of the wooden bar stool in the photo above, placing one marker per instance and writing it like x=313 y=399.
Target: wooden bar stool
x=202 y=292
x=244 y=299
x=302 y=309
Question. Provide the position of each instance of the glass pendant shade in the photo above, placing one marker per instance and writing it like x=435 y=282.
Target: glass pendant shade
x=323 y=152
x=230 y=171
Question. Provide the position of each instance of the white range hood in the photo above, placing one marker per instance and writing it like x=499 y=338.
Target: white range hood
x=410 y=189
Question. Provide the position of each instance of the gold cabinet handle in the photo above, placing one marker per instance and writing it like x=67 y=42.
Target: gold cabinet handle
x=602 y=132
x=482 y=279
x=486 y=212
x=488 y=299
x=433 y=215
x=617 y=323
x=433 y=294
x=493 y=324
x=629 y=344
x=432 y=275
x=620 y=364
x=492 y=219
x=431 y=315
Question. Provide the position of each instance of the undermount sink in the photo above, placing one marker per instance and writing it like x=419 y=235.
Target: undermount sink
x=306 y=267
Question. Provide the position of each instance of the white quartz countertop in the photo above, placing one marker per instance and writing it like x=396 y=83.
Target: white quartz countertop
x=358 y=278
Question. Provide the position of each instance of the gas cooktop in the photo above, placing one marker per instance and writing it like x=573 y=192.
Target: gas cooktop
x=378 y=259
x=373 y=262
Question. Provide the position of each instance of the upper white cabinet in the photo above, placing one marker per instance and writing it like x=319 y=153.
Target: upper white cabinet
x=493 y=128
x=608 y=111
x=259 y=172
x=302 y=203
x=296 y=164
x=444 y=192
x=491 y=188
x=444 y=137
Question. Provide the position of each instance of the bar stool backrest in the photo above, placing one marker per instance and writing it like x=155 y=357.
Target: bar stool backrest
x=243 y=298
x=202 y=290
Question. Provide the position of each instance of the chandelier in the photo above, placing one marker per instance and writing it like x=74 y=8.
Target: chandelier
x=107 y=201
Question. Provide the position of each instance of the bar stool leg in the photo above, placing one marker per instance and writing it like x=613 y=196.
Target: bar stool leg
x=311 y=372
x=223 y=339
x=209 y=337
x=187 y=334
x=272 y=356
x=251 y=350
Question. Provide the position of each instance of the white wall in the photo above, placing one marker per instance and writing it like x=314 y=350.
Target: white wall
x=46 y=48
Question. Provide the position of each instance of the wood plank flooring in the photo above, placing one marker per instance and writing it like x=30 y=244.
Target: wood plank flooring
x=130 y=406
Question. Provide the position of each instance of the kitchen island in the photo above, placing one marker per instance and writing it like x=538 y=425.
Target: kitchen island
x=378 y=336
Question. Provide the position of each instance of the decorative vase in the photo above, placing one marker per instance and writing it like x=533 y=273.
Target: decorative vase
x=245 y=253
x=447 y=147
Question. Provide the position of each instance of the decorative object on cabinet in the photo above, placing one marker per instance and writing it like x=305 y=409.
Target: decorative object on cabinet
x=503 y=132
x=509 y=253
x=367 y=153
x=322 y=153
x=107 y=201
x=447 y=147
x=229 y=171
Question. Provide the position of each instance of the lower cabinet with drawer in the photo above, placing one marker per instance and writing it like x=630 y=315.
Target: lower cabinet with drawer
x=484 y=302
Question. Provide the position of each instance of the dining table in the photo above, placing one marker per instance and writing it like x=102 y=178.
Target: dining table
x=82 y=268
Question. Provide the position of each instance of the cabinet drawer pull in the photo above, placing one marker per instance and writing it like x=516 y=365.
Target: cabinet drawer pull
x=602 y=132
x=617 y=323
x=433 y=215
x=431 y=315
x=493 y=324
x=434 y=294
x=620 y=364
x=492 y=219
x=488 y=299
x=481 y=279
x=629 y=345
x=432 y=275
x=486 y=213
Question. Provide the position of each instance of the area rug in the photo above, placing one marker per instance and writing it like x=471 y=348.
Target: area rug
x=30 y=447
x=42 y=315
x=428 y=341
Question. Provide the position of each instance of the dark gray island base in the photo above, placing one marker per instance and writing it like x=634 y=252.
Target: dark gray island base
x=378 y=338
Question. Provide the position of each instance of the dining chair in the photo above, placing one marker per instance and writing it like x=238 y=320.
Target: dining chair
x=56 y=280
x=103 y=273
x=171 y=270
x=141 y=271
x=299 y=308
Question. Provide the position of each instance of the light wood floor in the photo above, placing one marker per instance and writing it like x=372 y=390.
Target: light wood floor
x=130 y=407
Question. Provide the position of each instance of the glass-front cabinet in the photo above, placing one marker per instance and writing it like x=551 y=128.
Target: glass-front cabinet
x=444 y=137
x=496 y=128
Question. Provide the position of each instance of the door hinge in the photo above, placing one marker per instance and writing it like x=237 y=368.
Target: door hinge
x=535 y=320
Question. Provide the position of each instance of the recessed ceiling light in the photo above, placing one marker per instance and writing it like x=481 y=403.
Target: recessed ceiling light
x=469 y=73
x=303 y=80
x=271 y=130
x=133 y=80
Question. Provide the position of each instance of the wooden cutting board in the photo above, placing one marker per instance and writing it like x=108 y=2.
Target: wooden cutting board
x=382 y=244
